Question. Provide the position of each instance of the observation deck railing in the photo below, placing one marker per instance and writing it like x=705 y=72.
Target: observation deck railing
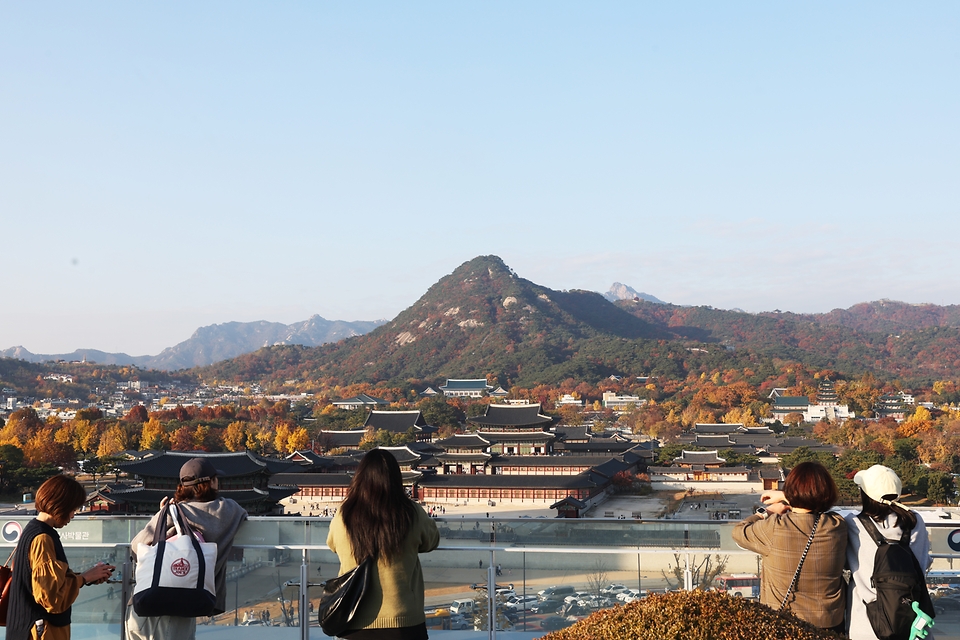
x=278 y=563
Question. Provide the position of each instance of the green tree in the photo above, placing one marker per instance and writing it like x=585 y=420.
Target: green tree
x=941 y=488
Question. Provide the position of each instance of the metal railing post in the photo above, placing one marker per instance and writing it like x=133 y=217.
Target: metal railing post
x=126 y=592
x=304 y=600
x=491 y=600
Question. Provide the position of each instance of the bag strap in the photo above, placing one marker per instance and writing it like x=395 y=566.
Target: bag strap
x=878 y=537
x=10 y=557
x=183 y=525
x=803 y=556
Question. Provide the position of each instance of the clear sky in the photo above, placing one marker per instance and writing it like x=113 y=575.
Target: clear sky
x=165 y=166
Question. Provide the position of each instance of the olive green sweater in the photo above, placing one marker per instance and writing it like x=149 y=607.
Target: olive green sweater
x=395 y=599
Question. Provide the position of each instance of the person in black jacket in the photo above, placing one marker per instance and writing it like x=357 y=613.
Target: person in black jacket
x=43 y=588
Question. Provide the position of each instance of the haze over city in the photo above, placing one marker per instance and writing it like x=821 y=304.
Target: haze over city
x=164 y=167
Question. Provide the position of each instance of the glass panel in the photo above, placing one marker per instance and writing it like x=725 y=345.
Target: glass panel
x=551 y=571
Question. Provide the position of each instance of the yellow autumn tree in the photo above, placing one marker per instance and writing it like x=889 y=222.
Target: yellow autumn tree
x=235 y=437
x=918 y=423
x=153 y=435
x=86 y=437
x=281 y=435
x=113 y=441
x=298 y=440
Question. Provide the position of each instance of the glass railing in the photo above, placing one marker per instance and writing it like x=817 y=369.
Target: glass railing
x=576 y=567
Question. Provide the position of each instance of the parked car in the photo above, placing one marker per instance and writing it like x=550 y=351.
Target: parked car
x=553 y=623
x=557 y=591
x=946 y=605
x=613 y=589
x=630 y=595
x=577 y=595
x=550 y=605
x=521 y=603
x=459 y=623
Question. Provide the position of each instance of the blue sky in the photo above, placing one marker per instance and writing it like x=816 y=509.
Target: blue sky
x=167 y=166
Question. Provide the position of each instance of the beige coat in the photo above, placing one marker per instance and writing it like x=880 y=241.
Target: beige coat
x=818 y=596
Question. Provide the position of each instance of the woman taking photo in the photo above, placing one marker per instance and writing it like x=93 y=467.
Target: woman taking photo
x=781 y=532
x=43 y=588
x=879 y=490
x=378 y=519
x=216 y=519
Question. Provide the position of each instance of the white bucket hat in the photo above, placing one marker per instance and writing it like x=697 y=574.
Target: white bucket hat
x=880 y=483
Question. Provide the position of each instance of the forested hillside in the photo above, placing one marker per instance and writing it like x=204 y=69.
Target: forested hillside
x=484 y=320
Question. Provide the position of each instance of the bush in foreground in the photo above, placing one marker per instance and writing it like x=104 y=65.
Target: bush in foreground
x=691 y=615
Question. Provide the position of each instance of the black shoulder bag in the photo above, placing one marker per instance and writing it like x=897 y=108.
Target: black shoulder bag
x=342 y=597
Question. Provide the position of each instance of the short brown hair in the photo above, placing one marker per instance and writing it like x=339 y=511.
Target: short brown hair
x=200 y=492
x=60 y=495
x=810 y=486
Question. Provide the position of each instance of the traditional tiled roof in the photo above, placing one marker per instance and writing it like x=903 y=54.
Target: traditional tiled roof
x=513 y=436
x=592 y=447
x=338 y=439
x=464 y=441
x=581 y=480
x=758 y=431
x=709 y=428
x=403 y=455
x=771 y=473
x=456 y=458
x=662 y=471
x=544 y=461
x=792 y=403
x=167 y=465
x=313 y=479
x=721 y=441
x=507 y=415
x=361 y=399
x=698 y=457
x=398 y=421
x=425 y=448
x=143 y=500
x=571 y=434
x=611 y=468
x=479 y=384
x=569 y=501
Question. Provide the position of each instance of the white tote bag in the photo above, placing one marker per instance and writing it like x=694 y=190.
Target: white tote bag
x=175 y=577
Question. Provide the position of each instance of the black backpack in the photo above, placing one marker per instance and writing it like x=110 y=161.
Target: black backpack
x=899 y=581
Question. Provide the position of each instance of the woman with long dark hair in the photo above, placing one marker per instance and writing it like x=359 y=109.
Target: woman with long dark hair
x=880 y=489
x=780 y=532
x=213 y=517
x=43 y=587
x=378 y=519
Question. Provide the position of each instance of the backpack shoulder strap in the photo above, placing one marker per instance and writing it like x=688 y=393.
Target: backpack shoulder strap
x=871 y=528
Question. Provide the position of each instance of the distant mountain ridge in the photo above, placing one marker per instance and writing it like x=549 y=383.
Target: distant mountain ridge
x=478 y=319
x=483 y=319
x=217 y=342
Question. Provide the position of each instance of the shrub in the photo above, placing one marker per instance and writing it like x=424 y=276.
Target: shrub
x=691 y=615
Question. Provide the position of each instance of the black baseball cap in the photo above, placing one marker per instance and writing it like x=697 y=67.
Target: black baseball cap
x=197 y=470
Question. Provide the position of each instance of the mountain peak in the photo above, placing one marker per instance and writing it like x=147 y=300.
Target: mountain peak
x=619 y=291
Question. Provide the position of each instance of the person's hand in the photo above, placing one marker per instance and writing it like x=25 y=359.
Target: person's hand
x=98 y=573
x=771 y=497
x=778 y=508
x=165 y=501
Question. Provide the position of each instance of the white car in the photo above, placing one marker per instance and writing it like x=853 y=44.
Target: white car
x=579 y=595
x=522 y=603
x=629 y=595
x=613 y=589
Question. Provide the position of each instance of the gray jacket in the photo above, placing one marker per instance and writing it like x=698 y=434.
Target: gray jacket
x=217 y=520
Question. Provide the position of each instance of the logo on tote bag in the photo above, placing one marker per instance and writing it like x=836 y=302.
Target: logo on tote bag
x=180 y=567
